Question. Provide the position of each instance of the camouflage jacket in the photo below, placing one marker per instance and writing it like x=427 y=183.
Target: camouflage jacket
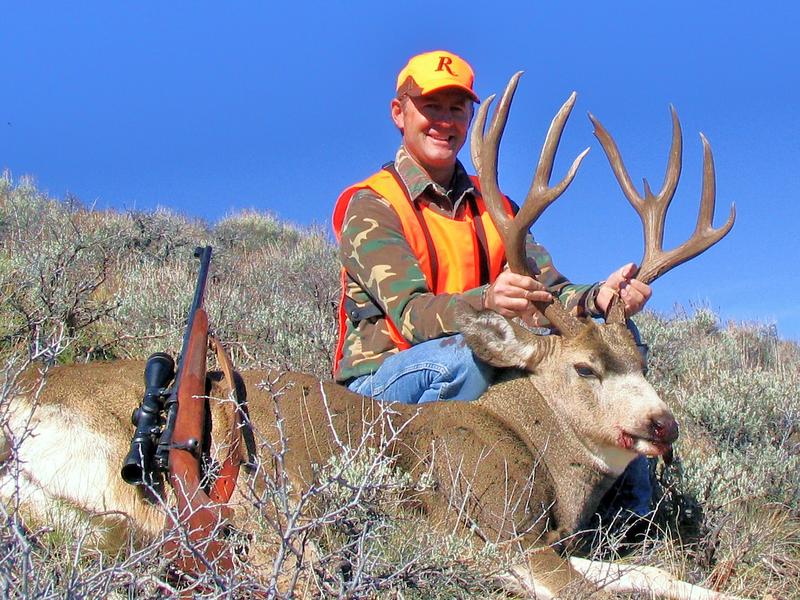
x=380 y=264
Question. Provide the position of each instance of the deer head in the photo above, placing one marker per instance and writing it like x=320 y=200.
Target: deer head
x=593 y=373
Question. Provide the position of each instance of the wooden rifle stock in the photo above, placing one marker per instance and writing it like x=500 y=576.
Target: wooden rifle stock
x=203 y=521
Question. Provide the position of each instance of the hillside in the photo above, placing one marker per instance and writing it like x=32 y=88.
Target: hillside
x=118 y=285
x=80 y=285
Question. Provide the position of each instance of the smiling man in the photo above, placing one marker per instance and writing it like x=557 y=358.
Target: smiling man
x=415 y=239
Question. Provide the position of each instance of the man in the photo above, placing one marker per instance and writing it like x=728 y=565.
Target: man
x=415 y=239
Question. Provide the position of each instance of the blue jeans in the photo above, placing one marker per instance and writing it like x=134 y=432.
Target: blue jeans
x=440 y=369
x=631 y=492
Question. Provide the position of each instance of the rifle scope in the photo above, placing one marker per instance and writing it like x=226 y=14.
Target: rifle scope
x=138 y=468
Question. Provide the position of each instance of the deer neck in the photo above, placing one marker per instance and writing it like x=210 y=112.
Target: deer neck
x=580 y=477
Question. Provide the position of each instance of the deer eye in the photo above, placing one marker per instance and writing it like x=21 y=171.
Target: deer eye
x=585 y=370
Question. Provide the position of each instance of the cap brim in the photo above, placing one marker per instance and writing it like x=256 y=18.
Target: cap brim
x=450 y=85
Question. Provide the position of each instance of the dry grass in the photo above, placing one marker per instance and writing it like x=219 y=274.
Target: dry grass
x=80 y=285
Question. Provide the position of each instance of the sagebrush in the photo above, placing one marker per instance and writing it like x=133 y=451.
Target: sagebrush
x=77 y=284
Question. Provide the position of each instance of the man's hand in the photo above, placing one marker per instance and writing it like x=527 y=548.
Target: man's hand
x=633 y=292
x=512 y=295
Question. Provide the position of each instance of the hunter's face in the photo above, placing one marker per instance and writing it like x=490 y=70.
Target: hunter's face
x=434 y=126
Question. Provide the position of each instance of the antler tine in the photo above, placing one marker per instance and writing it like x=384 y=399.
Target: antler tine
x=704 y=235
x=540 y=196
x=652 y=209
x=476 y=138
x=484 y=151
x=489 y=186
x=485 y=148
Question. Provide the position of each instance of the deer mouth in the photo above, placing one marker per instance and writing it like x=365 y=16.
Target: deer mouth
x=643 y=445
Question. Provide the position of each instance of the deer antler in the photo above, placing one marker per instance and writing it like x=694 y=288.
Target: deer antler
x=652 y=209
x=484 y=148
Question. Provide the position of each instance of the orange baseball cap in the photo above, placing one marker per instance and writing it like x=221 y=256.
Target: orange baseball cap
x=431 y=71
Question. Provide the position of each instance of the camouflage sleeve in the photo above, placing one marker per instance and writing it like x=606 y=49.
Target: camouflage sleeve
x=577 y=298
x=375 y=253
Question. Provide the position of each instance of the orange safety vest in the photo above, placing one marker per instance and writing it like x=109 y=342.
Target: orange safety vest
x=448 y=250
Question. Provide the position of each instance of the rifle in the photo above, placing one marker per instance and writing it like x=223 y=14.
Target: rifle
x=171 y=437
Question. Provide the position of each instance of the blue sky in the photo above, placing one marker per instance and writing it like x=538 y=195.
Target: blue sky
x=211 y=108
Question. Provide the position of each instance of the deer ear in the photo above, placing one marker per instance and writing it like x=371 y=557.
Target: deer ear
x=496 y=340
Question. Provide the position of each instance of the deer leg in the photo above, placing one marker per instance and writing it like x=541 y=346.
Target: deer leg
x=545 y=575
x=637 y=578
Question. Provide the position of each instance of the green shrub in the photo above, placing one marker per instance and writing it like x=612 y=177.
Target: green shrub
x=78 y=284
x=251 y=230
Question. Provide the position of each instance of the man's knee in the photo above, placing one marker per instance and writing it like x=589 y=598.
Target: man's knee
x=441 y=369
x=468 y=377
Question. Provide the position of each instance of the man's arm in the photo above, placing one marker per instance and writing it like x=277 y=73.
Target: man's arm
x=375 y=253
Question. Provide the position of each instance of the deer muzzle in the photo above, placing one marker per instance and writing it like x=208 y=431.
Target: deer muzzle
x=664 y=429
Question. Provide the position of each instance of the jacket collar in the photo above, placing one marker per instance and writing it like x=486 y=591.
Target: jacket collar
x=419 y=183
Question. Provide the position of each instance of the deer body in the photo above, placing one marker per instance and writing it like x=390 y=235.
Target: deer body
x=528 y=461
x=69 y=463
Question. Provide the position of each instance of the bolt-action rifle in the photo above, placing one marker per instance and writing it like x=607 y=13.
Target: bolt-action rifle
x=171 y=437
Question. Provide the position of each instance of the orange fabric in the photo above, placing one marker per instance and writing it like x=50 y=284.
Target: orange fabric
x=379 y=182
x=459 y=269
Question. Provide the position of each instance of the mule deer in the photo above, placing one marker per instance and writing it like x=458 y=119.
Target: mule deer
x=526 y=464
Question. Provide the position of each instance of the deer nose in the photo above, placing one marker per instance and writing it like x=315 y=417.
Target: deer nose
x=664 y=429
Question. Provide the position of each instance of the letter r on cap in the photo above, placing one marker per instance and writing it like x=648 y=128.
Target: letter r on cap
x=444 y=64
